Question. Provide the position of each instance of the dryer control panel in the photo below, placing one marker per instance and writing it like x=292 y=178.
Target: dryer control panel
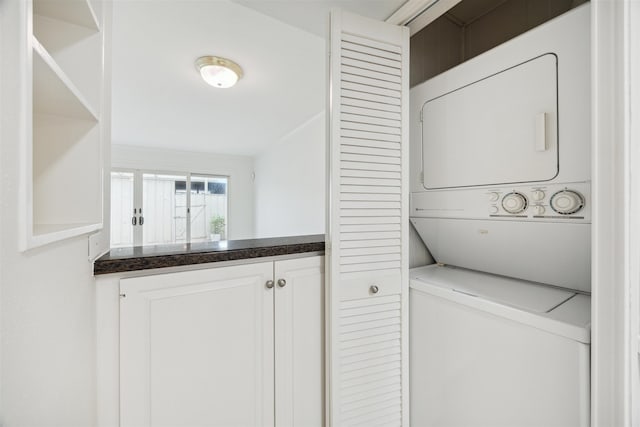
x=569 y=202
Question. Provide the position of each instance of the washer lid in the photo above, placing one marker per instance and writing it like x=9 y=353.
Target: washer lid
x=520 y=294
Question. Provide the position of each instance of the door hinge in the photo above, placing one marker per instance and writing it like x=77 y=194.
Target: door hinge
x=421 y=115
x=422 y=177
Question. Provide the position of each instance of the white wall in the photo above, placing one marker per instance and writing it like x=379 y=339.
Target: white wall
x=237 y=168
x=290 y=183
x=47 y=311
x=290 y=188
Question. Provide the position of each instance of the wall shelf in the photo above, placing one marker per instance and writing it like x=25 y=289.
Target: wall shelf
x=63 y=156
x=53 y=91
x=78 y=12
x=48 y=233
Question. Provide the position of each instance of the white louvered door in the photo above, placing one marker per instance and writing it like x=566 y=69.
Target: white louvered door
x=367 y=244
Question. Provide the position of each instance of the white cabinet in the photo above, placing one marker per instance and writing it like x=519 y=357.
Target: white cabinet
x=299 y=342
x=63 y=152
x=230 y=346
x=197 y=348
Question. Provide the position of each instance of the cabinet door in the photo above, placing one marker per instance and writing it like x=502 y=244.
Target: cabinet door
x=368 y=231
x=196 y=348
x=299 y=340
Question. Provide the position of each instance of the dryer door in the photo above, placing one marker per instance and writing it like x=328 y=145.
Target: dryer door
x=501 y=129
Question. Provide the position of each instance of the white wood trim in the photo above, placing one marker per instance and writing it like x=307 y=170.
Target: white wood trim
x=633 y=116
x=417 y=14
x=25 y=116
x=100 y=242
x=613 y=242
x=409 y=10
x=332 y=262
x=404 y=266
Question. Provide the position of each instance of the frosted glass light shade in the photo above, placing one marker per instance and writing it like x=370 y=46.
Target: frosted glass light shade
x=218 y=72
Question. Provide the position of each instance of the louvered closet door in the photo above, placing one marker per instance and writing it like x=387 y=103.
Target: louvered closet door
x=368 y=235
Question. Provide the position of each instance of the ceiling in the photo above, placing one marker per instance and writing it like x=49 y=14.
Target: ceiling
x=159 y=99
x=312 y=15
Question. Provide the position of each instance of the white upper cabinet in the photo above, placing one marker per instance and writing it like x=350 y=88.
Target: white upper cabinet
x=63 y=162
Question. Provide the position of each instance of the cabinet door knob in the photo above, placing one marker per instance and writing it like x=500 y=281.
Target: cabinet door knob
x=374 y=289
x=282 y=283
x=269 y=284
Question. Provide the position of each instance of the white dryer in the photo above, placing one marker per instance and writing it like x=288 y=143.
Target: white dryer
x=500 y=158
x=488 y=350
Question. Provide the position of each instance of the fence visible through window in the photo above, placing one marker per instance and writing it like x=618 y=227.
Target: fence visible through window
x=155 y=208
x=208 y=208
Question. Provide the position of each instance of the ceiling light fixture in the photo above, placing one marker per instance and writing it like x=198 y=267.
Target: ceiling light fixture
x=218 y=72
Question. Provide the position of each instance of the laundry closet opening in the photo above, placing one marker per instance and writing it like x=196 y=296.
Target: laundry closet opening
x=500 y=177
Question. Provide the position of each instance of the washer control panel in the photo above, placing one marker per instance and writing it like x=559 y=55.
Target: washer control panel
x=538 y=202
x=549 y=202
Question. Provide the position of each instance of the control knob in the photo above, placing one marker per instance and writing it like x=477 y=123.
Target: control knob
x=538 y=210
x=537 y=195
x=566 y=202
x=514 y=202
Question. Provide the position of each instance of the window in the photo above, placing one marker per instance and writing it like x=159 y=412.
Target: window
x=121 y=209
x=208 y=208
x=153 y=208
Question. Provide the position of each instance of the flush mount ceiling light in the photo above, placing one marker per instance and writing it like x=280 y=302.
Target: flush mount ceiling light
x=218 y=72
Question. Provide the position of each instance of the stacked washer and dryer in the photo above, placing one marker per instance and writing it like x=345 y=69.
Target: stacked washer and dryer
x=500 y=195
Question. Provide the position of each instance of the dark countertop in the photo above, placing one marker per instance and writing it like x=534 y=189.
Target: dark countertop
x=147 y=257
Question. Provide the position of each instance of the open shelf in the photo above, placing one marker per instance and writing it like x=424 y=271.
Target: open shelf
x=64 y=161
x=75 y=50
x=66 y=176
x=48 y=233
x=53 y=91
x=78 y=12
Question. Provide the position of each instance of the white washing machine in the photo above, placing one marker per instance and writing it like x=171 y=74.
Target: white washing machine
x=493 y=351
